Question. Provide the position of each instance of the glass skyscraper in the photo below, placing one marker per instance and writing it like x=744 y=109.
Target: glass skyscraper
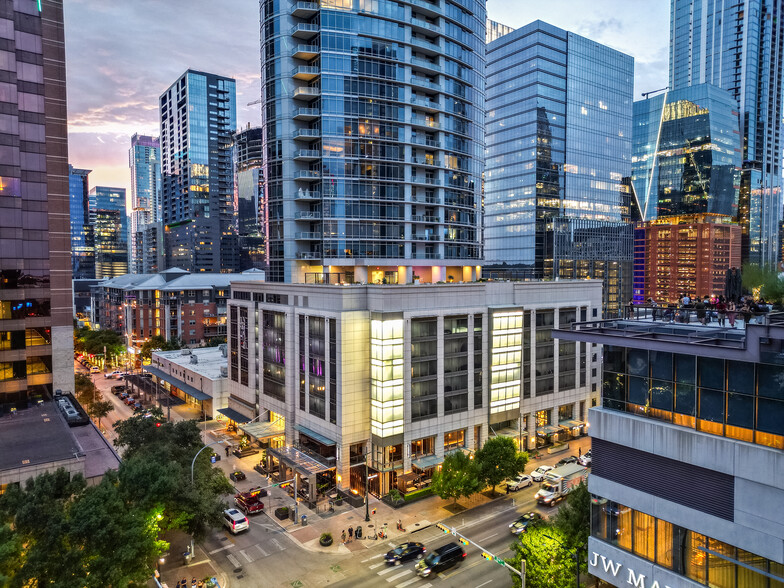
x=372 y=119
x=109 y=217
x=198 y=118
x=82 y=238
x=144 y=159
x=738 y=46
x=249 y=196
x=558 y=134
x=687 y=153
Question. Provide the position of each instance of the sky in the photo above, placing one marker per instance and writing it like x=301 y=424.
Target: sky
x=121 y=56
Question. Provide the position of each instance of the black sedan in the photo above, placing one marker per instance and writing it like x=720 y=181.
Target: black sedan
x=566 y=460
x=405 y=552
x=522 y=523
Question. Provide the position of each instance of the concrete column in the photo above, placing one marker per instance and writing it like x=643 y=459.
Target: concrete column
x=360 y=274
x=469 y=273
x=530 y=426
x=439 y=273
x=404 y=274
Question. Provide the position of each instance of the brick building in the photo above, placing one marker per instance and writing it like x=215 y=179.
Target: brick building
x=173 y=303
x=687 y=254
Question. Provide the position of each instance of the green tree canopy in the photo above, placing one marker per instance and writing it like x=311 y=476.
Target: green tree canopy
x=94 y=342
x=499 y=460
x=574 y=517
x=84 y=390
x=763 y=282
x=457 y=477
x=547 y=563
x=157 y=342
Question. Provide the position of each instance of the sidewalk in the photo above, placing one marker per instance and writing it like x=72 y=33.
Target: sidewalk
x=174 y=568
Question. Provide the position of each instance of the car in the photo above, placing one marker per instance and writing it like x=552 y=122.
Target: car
x=585 y=459
x=129 y=400
x=235 y=521
x=95 y=370
x=117 y=390
x=566 y=460
x=123 y=395
x=137 y=407
x=439 y=560
x=237 y=476
x=518 y=483
x=523 y=522
x=405 y=552
x=250 y=502
x=115 y=374
x=539 y=473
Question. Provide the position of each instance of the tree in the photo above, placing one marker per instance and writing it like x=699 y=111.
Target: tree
x=763 y=282
x=547 y=563
x=157 y=342
x=215 y=341
x=100 y=408
x=499 y=460
x=457 y=477
x=574 y=517
x=84 y=390
x=95 y=342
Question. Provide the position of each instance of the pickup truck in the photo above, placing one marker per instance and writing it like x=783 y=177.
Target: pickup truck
x=250 y=502
x=559 y=482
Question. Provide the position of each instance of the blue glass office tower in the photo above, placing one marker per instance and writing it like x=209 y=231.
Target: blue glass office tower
x=558 y=134
x=738 y=46
x=109 y=217
x=372 y=119
x=198 y=118
x=249 y=196
x=144 y=159
x=687 y=153
x=82 y=243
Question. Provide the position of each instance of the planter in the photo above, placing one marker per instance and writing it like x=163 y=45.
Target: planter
x=282 y=513
x=325 y=540
x=338 y=501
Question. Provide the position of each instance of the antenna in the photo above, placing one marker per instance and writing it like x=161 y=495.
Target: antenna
x=646 y=94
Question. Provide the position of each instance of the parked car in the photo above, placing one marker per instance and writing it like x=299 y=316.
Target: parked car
x=117 y=390
x=518 y=483
x=123 y=395
x=95 y=370
x=237 y=476
x=523 y=522
x=585 y=459
x=129 y=400
x=538 y=474
x=441 y=559
x=566 y=460
x=137 y=407
x=405 y=552
x=234 y=520
x=114 y=374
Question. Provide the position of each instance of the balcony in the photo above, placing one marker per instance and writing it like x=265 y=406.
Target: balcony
x=306 y=52
x=307 y=236
x=308 y=175
x=424 y=218
x=305 y=9
x=424 y=122
x=421 y=237
x=425 y=64
x=426 y=45
x=424 y=83
x=425 y=255
x=425 y=180
x=308 y=93
x=308 y=255
x=307 y=154
x=423 y=24
x=432 y=8
x=307 y=215
x=307 y=113
x=422 y=199
x=306 y=72
x=425 y=103
x=426 y=161
x=426 y=142
x=308 y=195
x=304 y=31
x=307 y=134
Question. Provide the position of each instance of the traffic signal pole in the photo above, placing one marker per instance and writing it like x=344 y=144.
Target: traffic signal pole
x=485 y=553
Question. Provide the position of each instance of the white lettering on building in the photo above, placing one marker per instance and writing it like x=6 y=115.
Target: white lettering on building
x=635 y=580
x=610 y=566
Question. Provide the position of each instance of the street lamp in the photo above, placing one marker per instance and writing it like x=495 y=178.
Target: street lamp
x=575 y=555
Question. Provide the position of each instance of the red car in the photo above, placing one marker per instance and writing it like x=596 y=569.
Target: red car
x=250 y=502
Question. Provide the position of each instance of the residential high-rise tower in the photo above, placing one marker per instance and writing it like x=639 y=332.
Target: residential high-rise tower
x=198 y=117
x=144 y=159
x=739 y=46
x=249 y=195
x=82 y=238
x=372 y=123
x=36 y=319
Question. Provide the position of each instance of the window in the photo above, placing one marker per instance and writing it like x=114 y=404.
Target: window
x=454 y=439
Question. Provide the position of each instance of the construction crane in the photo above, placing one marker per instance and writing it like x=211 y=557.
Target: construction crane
x=646 y=94
x=254 y=102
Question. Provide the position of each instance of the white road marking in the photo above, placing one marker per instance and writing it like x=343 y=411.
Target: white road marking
x=392 y=544
x=374 y=566
x=246 y=556
x=486 y=538
x=408 y=583
x=400 y=575
x=263 y=553
x=386 y=571
x=278 y=545
x=484 y=584
x=214 y=551
x=374 y=557
x=235 y=562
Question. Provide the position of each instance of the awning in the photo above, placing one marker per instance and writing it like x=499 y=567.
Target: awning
x=264 y=430
x=547 y=430
x=315 y=436
x=298 y=460
x=429 y=461
x=571 y=424
x=234 y=415
x=508 y=432
x=177 y=383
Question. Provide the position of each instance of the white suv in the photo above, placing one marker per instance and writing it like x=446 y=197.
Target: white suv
x=234 y=520
x=539 y=473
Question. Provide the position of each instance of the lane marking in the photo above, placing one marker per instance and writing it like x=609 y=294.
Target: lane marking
x=214 y=551
x=263 y=553
x=386 y=571
x=400 y=575
x=484 y=584
x=392 y=544
x=246 y=556
x=408 y=582
x=234 y=561
x=486 y=538
x=374 y=557
x=374 y=566
x=278 y=545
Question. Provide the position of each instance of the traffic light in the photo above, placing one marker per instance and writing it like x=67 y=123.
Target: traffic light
x=487 y=556
x=463 y=540
x=443 y=527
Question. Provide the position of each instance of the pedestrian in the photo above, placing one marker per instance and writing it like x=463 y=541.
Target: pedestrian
x=227 y=451
x=579 y=452
x=343 y=536
x=731 y=312
x=350 y=533
x=721 y=309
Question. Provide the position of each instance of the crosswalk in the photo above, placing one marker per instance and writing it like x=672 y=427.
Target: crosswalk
x=398 y=576
x=254 y=552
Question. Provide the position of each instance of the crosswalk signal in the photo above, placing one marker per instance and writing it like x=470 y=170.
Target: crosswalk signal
x=443 y=527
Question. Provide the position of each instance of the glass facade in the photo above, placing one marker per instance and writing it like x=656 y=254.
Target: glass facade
x=735 y=399
x=198 y=118
x=145 y=203
x=736 y=46
x=82 y=237
x=687 y=153
x=558 y=131
x=108 y=215
x=372 y=129
x=249 y=197
x=701 y=559
x=386 y=377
